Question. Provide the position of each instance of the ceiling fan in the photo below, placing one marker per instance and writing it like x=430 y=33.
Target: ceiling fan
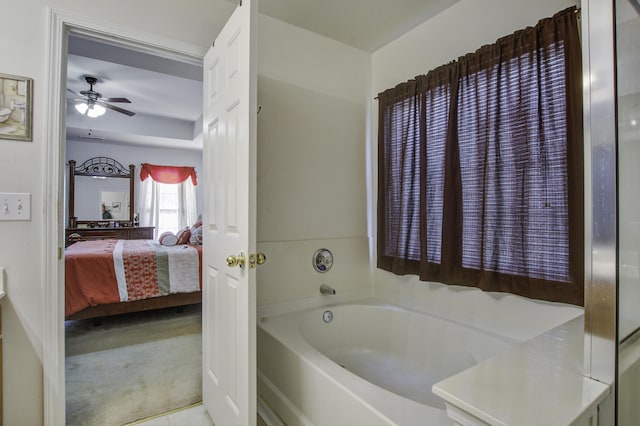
x=93 y=104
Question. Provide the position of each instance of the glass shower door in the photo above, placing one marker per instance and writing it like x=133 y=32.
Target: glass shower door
x=628 y=129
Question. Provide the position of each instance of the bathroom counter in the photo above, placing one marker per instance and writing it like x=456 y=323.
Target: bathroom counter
x=539 y=382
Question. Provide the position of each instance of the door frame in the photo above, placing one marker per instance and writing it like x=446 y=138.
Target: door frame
x=61 y=24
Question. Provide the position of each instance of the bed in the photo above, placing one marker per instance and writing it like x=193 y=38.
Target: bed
x=111 y=277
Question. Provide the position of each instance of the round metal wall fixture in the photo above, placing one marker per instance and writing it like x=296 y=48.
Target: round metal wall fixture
x=322 y=260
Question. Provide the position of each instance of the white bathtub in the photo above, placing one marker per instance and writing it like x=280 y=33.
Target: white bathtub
x=374 y=363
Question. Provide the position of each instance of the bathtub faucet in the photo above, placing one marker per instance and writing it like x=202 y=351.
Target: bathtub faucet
x=325 y=289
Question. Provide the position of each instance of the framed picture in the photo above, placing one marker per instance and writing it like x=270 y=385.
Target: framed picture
x=15 y=107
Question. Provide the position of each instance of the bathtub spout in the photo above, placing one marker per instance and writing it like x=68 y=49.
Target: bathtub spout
x=325 y=289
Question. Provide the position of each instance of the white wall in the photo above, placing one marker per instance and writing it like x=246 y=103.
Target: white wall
x=461 y=29
x=24 y=40
x=338 y=75
x=311 y=162
x=126 y=154
x=315 y=198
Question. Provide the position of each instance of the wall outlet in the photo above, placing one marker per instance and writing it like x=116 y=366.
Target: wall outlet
x=15 y=206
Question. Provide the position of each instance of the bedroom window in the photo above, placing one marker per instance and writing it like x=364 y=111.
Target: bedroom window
x=168 y=208
x=168 y=197
x=480 y=168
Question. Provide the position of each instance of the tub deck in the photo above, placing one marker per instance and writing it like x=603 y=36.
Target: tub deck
x=539 y=382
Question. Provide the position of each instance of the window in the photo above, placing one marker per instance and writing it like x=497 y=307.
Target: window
x=480 y=168
x=168 y=211
x=167 y=197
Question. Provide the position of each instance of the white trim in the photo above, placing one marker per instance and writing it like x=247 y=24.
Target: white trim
x=2 y=292
x=53 y=343
x=267 y=414
x=60 y=25
x=286 y=408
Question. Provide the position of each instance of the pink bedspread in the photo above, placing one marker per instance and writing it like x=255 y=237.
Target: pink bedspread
x=110 y=271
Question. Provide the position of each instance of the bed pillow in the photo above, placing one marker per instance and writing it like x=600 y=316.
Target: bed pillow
x=183 y=236
x=196 y=236
x=168 y=239
x=195 y=226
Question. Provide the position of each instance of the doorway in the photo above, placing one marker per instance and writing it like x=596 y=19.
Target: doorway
x=62 y=27
x=124 y=368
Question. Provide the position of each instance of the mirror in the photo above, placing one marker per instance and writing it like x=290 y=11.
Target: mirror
x=88 y=196
x=114 y=205
x=104 y=190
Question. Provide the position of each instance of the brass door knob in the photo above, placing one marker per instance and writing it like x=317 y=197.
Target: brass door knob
x=233 y=261
x=256 y=259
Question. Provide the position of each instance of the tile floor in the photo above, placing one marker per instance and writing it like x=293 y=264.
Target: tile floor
x=194 y=415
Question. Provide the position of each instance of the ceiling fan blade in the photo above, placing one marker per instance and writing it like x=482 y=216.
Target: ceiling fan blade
x=69 y=90
x=125 y=100
x=115 y=108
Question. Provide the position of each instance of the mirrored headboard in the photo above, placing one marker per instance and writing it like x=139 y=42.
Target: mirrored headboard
x=106 y=201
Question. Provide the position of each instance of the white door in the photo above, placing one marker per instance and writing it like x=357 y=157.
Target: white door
x=229 y=293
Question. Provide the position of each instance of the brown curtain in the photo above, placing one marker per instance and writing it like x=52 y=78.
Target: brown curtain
x=481 y=168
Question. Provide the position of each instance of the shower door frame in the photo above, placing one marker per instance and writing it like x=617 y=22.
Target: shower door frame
x=600 y=190
x=601 y=199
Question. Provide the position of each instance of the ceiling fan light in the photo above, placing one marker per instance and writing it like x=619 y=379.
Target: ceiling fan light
x=82 y=107
x=96 y=111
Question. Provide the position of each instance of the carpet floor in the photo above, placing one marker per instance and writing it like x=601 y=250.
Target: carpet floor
x=129 y=367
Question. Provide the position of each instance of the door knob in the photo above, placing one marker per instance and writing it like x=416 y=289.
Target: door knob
x=238 y=260
x=256 y=259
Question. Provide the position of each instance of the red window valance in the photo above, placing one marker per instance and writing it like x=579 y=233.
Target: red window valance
x=168 y=174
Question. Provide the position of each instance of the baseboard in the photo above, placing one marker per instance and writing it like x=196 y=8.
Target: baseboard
x=268 y=415
x=281 y=407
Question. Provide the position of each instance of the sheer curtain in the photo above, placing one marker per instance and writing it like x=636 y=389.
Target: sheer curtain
x=187 y=210
x=151 y=200
x=149 y=207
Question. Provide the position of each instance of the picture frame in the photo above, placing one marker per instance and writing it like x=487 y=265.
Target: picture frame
x=16 y=107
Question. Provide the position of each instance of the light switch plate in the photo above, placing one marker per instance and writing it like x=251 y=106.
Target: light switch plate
x=15 y=206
